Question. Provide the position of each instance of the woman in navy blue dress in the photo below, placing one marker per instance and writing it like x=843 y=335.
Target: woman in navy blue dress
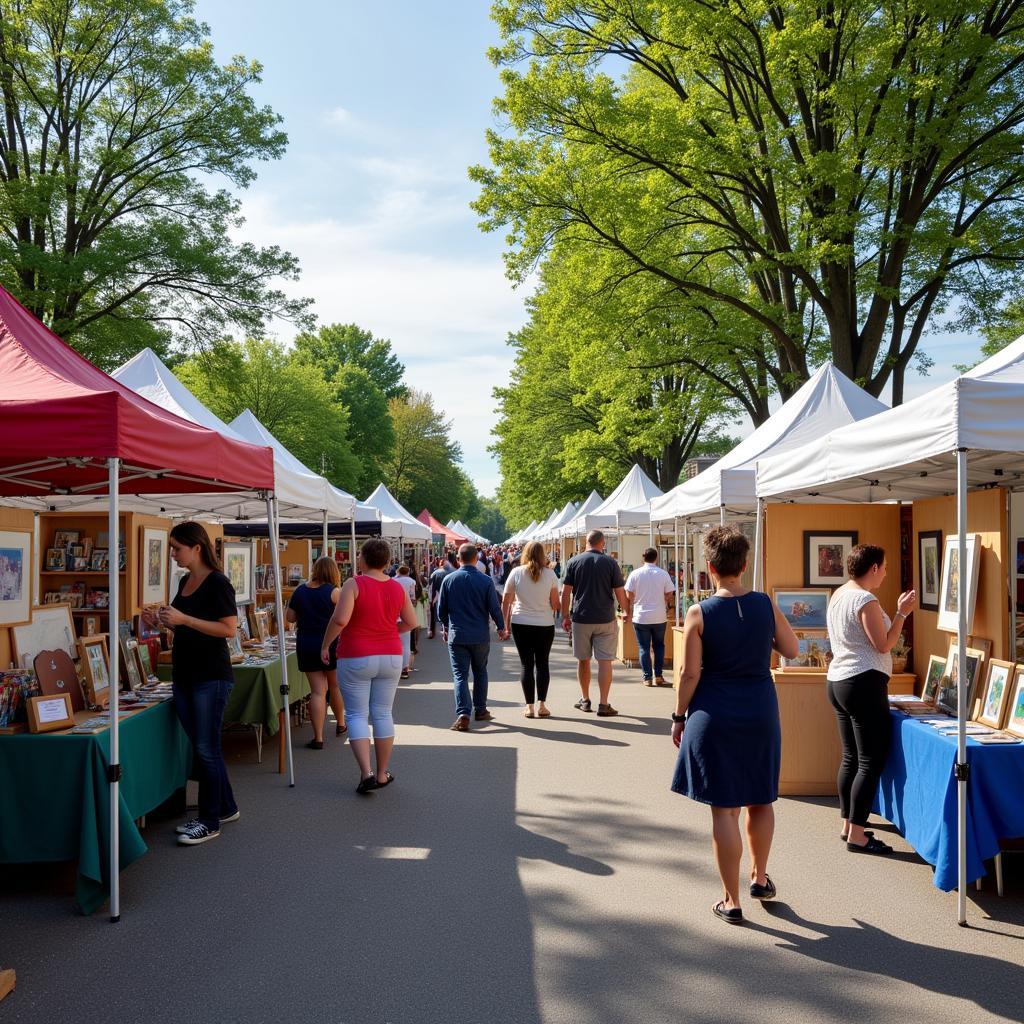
x=311 y=607
x=726 y=722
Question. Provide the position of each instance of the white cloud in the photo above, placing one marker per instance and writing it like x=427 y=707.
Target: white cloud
x=338 y=116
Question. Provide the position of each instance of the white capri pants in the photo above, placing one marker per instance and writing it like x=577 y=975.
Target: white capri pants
x=369 y=686
x=406 y=648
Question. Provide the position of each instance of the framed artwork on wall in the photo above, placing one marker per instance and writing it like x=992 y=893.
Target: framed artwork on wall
x=15 y=577
x=804 y=608
x=996 y=693
x=153 y=565
x=949 y=593
x=238 y=567
x=929 y=569
x=825 y=557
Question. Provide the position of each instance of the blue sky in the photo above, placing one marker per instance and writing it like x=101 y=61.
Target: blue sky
x=386 y=106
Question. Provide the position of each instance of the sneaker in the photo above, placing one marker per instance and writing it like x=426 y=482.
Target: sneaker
x=231 y=817
x=648 y=681
x=583 y=704
x=187 y=827
x=483 y=716
x=660 y=681
x=199 y=833
x=605 y=711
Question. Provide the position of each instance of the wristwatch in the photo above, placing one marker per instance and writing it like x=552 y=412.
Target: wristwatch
x=678 y=718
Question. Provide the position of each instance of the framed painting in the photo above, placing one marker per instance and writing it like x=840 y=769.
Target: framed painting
x=15 y=577
x=145 y=663
x=996 y=693
x=803 y=609
x=153 y=565
x=238 y=567
x=96 y=670
x=933 y=678
x=1015 y=705
x=262 y=625
x=813 y=655
x=949 y=592
x=949 y=689
x=825 y=557
x=929 y=569
x=49 y=629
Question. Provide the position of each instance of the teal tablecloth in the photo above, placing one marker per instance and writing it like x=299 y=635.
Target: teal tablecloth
x=56 y=798
x=255 y=698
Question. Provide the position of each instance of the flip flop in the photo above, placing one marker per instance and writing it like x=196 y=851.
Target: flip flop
x=543 y=713
x=527 y=713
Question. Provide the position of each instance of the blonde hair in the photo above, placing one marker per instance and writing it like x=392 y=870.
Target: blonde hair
x=535 y=558
x=325 y=570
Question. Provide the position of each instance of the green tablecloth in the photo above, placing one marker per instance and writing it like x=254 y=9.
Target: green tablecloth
x=56 y=797
x=256 y=696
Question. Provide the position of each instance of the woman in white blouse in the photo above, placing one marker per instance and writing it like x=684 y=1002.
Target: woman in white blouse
x=530 y=601
x=862 y=635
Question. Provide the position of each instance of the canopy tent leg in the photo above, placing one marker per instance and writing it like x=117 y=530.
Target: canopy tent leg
x=113 y=609
x=650 y=537
x=352 y=546
x=686 y=561
x=675 y=563
x=323 y=547
x=759 y=546
x=721 y=515
x=962 y=768
x=282 y=653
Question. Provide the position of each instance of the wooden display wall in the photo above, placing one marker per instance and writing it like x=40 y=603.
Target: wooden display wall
x=986 y=515
x=19 y=519
x=784 y=540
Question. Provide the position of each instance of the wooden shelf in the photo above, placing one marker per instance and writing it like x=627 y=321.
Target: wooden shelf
x=79 y=572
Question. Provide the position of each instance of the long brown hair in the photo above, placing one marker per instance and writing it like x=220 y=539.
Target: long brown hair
x=193 y=535
x=325 y=570
x=535 y=558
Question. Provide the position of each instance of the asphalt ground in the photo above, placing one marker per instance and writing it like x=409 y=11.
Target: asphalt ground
x=529 y=872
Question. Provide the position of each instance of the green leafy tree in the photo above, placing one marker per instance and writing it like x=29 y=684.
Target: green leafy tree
x=291 y=399
x=424 y=469
x=116 y=123
x=337 y=345
x=370 y=428
x=490 y=523
x=834 y=173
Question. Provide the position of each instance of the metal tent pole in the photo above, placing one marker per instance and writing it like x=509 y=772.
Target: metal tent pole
x=721 y=515
x=686 y=560
x=759 y=546
x=275 y=558
x=675 y=563
x=962 y=769
x=352 y=546
x=113 y=634
x=323 y=547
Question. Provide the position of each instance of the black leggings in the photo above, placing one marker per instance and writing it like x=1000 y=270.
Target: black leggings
x=534 y=645
x=865 y=728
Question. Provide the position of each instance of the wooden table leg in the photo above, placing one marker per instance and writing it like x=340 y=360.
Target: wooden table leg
x=282 y=724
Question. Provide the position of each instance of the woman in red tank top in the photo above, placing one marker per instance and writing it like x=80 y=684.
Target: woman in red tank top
x=370 y=658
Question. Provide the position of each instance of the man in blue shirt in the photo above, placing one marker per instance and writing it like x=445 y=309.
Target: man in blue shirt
x=465 y=602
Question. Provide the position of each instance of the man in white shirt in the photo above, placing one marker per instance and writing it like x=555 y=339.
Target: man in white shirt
x=648 y=589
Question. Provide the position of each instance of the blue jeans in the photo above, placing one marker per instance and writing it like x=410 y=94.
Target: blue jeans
x=200 y=708
x=651 y=634
x=463 y=656
x=369 y=685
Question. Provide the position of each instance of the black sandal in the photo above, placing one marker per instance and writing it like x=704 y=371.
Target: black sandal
x=763 y=892
x=315 y=744
x=389 y=778
x=734 y=916
x=873 y=845
x=340 y=730
x=846 y=839
x=367 y=785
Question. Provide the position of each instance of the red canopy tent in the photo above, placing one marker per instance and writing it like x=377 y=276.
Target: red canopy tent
x=67 y=429
x=450 y=537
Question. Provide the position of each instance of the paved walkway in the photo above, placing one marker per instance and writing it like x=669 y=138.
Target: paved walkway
x=531 y=872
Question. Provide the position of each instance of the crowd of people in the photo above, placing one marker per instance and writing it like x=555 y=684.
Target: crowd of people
x=356 y=641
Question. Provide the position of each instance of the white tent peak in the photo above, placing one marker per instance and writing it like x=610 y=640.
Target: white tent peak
x=1007 y=364
x=592 y=501
x=636 y=488
x=391 y=508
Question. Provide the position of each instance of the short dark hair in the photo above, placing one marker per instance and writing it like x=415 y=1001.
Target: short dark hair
x=650 y=554
x=726 y=550
x=594 y=538
x=860 y=560
x=376 y=553
x=467 y=552
x=403 y=570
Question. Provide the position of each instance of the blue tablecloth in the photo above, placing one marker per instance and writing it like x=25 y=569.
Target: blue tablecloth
x=918 y=795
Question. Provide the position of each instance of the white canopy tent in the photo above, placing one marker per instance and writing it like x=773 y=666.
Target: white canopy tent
x=827 y=401
x=568 y=513
x=635 y=491
x=967 y=433
x=517 y=537
x=396 y=520
x=460 y=527
x=541 y=529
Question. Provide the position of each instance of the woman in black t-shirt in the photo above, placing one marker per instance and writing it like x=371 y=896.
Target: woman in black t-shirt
x=202 y=615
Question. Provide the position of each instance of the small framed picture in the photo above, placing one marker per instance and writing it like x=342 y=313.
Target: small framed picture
x=294 y=574
x=929 y=569
x=813 y=655
x=947 y=699
x=262 y=625
x=949 y=595
x=96 y=670
x=154 y=565
x=825 y=557
x=238 y=567
x=46 y=714
x=64 y=539
x=90 y=625
x=1015 y=705
x=56 y=559
x=145 y=663
x=131 y=678
x=99 y=561
x=933 y=678
x=80 y=563
x=996 y=693
x=803 y=609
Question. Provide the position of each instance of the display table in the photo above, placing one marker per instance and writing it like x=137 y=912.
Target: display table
x=56 y=802
x=255 y=699
x=918 y=795
x=626 y=649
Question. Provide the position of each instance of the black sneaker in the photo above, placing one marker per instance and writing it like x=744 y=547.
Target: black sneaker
x=606 y=711
x=582 y=704
x=763 y=892
x=199 y=833
x=186 y=827
x=231 y=817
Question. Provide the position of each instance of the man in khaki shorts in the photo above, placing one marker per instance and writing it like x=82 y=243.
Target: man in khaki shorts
x=592 y=583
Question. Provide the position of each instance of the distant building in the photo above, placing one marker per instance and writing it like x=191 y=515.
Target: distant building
x=697 y=465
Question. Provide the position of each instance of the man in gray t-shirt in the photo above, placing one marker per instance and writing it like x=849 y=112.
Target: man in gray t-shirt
x=591 y=585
